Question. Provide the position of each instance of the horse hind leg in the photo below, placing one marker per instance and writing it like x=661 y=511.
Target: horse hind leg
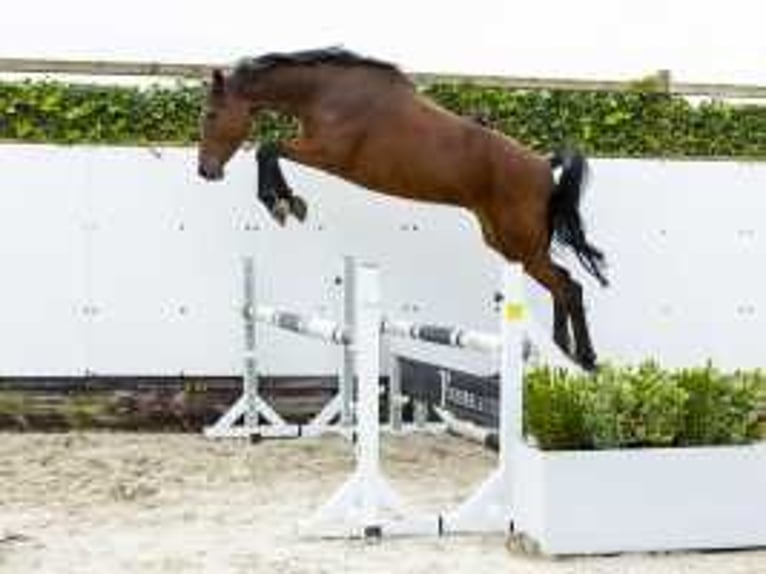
x=561 y=327
x=568 y=307
x=576 y=311
x=554 y=279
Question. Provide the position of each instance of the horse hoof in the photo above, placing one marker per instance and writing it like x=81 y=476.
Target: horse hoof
x=280 y=211
x=588 y=363
x=298 y=207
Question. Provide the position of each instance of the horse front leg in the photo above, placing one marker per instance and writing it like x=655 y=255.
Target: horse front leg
x=273 y=190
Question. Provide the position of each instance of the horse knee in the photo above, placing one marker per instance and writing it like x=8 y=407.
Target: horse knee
x=271 y=181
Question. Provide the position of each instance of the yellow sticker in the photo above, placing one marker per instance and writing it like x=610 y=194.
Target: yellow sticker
x=514 y=311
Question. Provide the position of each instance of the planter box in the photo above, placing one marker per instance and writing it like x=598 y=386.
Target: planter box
x=598 y=502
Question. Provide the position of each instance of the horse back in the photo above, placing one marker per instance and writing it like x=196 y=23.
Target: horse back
x=415 y=149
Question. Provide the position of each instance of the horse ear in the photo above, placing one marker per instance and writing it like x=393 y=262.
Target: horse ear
x=218 y=81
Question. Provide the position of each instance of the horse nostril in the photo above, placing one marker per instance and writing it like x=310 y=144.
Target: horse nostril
x=209 y=172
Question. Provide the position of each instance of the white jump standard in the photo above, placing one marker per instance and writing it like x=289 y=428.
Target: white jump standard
x=366 y=505
x=490 y=508
x=244 y=418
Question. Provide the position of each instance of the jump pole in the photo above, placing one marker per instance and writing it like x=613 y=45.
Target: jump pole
x=346 y=381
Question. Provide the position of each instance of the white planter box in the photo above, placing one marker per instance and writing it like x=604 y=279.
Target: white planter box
x=586 y=502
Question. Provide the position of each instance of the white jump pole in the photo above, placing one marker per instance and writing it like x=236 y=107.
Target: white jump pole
x=346 y=382
x=250 y=372
x=490 y=508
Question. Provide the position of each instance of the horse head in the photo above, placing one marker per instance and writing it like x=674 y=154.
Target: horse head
x=225 y=124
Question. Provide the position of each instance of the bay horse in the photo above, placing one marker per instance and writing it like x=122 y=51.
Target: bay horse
x=363 y=120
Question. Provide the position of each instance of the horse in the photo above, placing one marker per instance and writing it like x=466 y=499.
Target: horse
x=363 y=120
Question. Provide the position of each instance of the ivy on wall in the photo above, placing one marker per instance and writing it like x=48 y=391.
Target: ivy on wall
x=630 y=124
x=77 y=113
x=640 y=123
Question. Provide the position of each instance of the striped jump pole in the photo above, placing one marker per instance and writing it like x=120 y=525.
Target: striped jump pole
x=442 y=335
x=313 y=327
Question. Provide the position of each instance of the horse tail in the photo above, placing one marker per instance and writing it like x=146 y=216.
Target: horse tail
x=565 y=221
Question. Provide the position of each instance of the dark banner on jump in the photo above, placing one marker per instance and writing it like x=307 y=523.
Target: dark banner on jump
x=466 y=395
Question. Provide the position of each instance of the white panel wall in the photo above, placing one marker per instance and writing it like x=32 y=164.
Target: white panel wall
x=43 y=257
x=686 y=242
x=121 y=261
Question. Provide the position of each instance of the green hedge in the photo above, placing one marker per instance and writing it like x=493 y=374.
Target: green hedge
x=644 y=406
x=626 y=124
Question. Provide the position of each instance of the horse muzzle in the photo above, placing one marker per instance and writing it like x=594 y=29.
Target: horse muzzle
x=210 y=171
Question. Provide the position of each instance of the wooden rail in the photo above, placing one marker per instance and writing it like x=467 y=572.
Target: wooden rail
x=662 y=79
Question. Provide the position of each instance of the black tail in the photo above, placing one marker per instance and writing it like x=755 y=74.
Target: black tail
x=564 y=212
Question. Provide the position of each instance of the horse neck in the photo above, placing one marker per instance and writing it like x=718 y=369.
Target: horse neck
x=289 y=89
x=297 y=90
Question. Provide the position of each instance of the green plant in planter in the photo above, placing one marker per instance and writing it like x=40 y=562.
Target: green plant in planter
x=719 y=409
x=643 y=406
x=553 y=410
x=633 y=407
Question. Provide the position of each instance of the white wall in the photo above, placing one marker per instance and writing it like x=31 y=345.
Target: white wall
x=121 y=261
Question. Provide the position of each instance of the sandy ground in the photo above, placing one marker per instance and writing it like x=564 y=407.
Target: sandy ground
x=113 y=503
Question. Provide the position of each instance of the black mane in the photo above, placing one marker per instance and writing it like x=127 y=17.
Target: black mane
x=249 y=67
